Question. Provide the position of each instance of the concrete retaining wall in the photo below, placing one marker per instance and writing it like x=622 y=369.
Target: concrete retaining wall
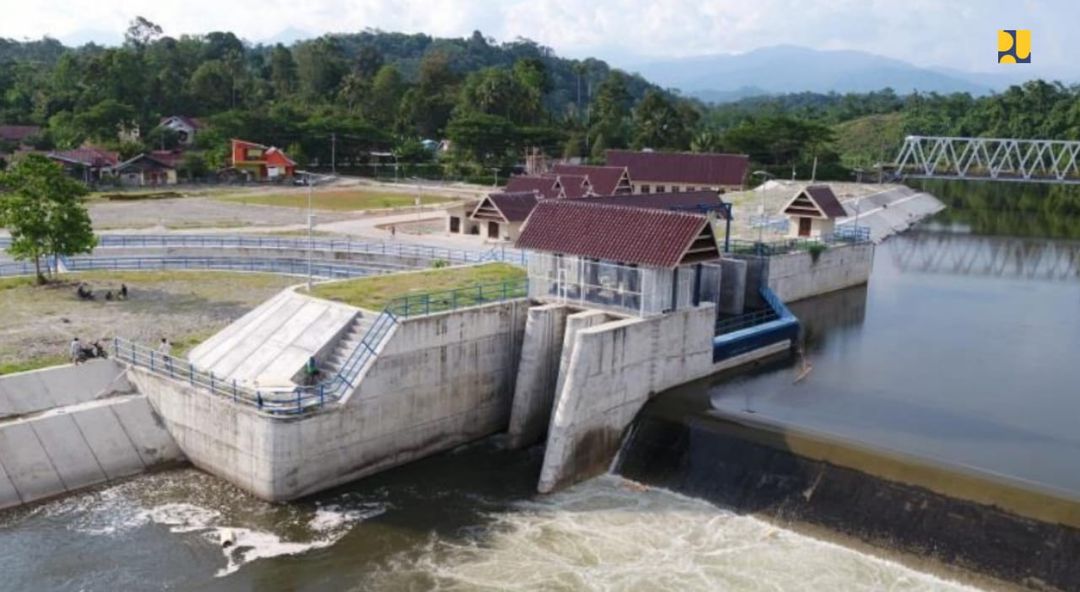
x=31 y=392
x=612 y=371
x=799 y=275
x=440 y=381
x=53 y=451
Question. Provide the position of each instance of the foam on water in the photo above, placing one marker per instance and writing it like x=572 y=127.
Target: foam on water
x=609 y=534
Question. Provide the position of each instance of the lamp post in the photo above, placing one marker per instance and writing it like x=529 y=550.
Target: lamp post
x=310 y=228
x=765 y=175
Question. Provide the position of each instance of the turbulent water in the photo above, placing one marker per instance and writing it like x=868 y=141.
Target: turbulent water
x=165 y=531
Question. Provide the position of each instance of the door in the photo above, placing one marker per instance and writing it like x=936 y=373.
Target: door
x=804 y=226
x=493 y=230
x=455 y=224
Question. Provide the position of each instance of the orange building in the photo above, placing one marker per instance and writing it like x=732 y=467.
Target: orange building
x=261 y=162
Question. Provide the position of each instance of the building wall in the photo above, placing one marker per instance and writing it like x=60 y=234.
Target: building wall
x=440 y=381
x=644 y=186
x=818 y=227
x=799 y=275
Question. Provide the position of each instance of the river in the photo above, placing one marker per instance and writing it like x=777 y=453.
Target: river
x=974 y=369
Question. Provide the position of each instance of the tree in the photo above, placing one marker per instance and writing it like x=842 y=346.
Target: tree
x=282 y=71
x=386 y=91
x=368 y=62
x=657 y=123
x=141 y=32
x=193 y=166
x=42 y=208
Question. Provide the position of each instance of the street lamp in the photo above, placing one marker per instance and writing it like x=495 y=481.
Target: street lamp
x=765 y=175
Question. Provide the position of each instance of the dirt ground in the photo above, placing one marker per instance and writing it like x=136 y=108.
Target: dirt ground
x=198 y=212
x=776 y=194
x=185 y=307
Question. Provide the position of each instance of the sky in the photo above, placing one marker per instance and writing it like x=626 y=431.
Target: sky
x=958 y=34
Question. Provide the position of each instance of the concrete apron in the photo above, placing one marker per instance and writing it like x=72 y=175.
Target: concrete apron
x=75 y=427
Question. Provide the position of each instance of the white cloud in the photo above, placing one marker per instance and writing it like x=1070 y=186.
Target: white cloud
x=925 y=32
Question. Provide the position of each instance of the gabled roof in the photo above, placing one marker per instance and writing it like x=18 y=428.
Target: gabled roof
x=87 y=156
x=682 y=167
x=605 y=180
x=18 y=133
x=815 y=201
x=279 y=154
x=144 y=157
x=638 y=236
x=547 y=187
x=506 y=207
x=689 y=201
x=573 y=186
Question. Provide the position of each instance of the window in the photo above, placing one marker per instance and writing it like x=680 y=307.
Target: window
x=660 y=188
x=675 y=189
x=645 y=188
x=455 y=224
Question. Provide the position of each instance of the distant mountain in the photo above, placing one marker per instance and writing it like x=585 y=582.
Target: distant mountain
x=786 y=69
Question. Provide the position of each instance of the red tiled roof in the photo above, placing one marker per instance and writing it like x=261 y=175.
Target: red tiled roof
x=162 y=162
x=18 y=133
x=545 y=186
x=574 y=185
x=824 y=197
x=169 y=158
x=640 y=236
x=604 y=179
x=87 y=156
x=685 y=201
x=514 y=207
x=681 y=167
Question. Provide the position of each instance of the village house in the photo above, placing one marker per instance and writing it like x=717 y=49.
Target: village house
x=186 y=128
x=549 y=187
x=635 y=260
x=663 y=172
x=813 y=212
x=149 y=169
x=499 y=216
x=261 y=163
x=18 y=136
x=88 y=164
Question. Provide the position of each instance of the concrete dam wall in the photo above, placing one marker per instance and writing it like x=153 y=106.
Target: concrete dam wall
x=926 y=513
x=70 y=427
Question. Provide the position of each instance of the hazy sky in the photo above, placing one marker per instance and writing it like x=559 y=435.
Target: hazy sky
x=949 y=33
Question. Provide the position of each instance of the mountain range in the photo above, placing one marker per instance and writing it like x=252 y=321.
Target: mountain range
x=787 y=69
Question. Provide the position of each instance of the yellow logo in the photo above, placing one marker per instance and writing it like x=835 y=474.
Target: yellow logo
x=1014 y=46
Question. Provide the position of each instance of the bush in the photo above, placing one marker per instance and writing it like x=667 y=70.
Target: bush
x=815 y=250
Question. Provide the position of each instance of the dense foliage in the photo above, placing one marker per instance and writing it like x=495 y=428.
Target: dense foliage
x=377 y=91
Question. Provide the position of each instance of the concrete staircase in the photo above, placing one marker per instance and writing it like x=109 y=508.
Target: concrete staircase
x=348 y=343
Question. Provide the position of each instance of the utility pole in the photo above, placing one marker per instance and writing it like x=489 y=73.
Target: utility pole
x=813 y=171
x=333 y=153
x=310 y=230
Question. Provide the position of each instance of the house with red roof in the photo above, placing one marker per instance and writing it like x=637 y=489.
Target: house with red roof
x=663 y=172
x=88 y=164
x=813 y=211
x=501 y=215
x=148 y=169
x=604 y=180
x=638 y=260
x=260 y=162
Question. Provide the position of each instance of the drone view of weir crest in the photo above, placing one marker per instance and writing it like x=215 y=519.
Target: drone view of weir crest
x=472 y=316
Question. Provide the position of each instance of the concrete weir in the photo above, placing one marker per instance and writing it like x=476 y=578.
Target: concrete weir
x=70 y=427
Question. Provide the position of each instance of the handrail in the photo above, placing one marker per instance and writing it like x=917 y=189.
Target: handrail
x=842 y=234
x=447 y=300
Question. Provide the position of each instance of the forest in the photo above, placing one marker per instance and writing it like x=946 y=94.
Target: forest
x=378 y=91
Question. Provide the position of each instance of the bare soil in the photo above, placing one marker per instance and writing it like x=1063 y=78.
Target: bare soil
x=186 y=307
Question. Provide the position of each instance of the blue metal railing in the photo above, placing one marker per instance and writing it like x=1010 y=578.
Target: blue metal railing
x=320 y=269
x=302 y=399
x=447 y=300
x=785 y=327
x=843 y=234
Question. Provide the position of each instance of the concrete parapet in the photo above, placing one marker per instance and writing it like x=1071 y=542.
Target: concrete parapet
x=799 y=275
x=538 y=373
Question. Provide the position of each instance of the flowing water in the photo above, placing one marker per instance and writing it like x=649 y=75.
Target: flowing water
x=975 y=368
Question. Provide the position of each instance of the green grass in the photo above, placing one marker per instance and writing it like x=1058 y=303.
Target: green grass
x=337 y=200
x=375 y=292
x=860 y=141
x=31 y=364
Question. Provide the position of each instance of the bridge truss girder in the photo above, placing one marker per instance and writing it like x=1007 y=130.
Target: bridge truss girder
x=961 y=254
x=998 y=159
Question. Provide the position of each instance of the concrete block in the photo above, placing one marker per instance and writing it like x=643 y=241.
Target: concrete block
x=109 y=442
x=733 y=284
x=27 y=464
x=147 y=432
x=70 y=455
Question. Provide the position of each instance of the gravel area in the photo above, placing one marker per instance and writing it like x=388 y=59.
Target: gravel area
x=198 y=212
x=186 y=307
x=746 y=204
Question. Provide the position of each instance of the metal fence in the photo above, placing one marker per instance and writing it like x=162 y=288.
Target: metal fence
x=842 y=235
x=299 y=267
x=447 y=300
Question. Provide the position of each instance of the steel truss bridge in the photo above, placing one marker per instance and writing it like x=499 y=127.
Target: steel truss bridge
x=965 y=254
x=996 y=159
